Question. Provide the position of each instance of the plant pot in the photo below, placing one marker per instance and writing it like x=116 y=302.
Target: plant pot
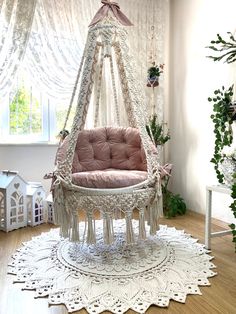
x=228 y=169
x=232 y=110
x=153 y=81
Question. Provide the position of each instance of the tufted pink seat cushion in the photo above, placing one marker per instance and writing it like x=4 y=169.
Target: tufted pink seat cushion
x=107 y=158
x=109 y=178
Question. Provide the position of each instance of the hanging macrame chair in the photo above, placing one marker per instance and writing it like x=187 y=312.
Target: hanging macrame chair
x=109 y=169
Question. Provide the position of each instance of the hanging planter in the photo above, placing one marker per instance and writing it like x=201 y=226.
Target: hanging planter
x=152 y=81
x=154 y=73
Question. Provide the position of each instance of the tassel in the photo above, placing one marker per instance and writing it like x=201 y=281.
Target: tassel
x=91 y=239
x=108 y=235
x=118 y=213
x=75 y=231
x=160 y=206
x=129 y=228
x=62 y=217
x=142 y=231
x=159 y=201
x=147 y=214
x=153 y=219
x=156 y=210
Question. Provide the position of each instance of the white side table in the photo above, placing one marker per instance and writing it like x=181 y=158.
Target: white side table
x=208 y=234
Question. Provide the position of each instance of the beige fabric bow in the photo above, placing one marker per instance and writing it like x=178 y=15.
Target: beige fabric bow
x=102 y=12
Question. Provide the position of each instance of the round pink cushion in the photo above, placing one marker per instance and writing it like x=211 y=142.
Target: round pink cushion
x=109 y=178
x=107 y=147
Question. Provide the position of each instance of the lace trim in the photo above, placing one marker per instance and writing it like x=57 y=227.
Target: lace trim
x=118 y=277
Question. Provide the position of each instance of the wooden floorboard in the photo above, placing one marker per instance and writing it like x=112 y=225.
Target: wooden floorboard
x=220 y=297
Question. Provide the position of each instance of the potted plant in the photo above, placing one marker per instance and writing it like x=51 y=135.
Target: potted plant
x=173 y=204
x=224 y=115
x=154 y=73
x=156 y=131
x=226 y=48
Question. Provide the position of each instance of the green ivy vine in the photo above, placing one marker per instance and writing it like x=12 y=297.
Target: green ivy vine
x=233 y=208
x=222 y=117
x=222 y=120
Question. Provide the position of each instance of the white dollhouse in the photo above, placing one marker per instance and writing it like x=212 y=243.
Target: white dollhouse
x=50 y=209
x=13 y=212
x=35 y=203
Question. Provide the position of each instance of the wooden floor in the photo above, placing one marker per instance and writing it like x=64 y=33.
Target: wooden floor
x=219 y=298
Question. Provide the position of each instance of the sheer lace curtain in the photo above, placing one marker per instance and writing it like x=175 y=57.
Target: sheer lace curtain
x=16 y=19
x=58 y=30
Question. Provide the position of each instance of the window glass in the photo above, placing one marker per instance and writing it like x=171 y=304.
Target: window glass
x=25 y=113
x=28 y=116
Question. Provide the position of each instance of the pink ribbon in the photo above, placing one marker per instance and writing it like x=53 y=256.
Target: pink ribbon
x=102 y=12
x=165 y=170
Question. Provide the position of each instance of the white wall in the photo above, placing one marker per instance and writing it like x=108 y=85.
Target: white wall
x=193 y=78
x=32 y=161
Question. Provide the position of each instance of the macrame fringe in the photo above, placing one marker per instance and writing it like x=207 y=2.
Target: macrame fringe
x=153 y=219
x=108 y=233
x=91 y=238
x=118 y=213
x=75 y=231
x=160 y=205
x=129 y=228
x=159 y=200
x=155 y=212
x=62 y=217
x=142 y=230
x=147 y=215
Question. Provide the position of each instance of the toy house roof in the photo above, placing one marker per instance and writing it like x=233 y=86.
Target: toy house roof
x=6 y=177
x=32 y=187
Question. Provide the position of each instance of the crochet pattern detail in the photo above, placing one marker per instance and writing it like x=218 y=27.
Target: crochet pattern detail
x=117 y=277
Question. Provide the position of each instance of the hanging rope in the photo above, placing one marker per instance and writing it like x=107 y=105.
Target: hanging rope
x=99 y=87
x=114 y=90
x=124 y=86
x=91 y=51
x=74 y=92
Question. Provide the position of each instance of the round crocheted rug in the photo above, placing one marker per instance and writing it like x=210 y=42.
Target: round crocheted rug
x=115 y=277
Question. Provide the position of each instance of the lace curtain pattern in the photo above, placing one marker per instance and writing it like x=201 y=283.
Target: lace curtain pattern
x=56 y=41
x=16 y=19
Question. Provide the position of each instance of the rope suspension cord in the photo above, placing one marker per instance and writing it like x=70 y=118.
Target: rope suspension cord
x=99 y=87
x=124 y=86
x=63 y=133
x=74 y=91
x=114 y=90
x=71 y=195
x=64 y=168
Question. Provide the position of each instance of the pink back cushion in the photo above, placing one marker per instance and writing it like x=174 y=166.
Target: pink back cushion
x=107 y=147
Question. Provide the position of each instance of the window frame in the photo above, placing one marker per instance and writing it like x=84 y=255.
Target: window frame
x=48 y=116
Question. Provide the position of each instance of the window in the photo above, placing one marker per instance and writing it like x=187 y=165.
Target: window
x=28 y=116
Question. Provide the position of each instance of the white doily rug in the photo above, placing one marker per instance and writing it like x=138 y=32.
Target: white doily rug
x=116 y=278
